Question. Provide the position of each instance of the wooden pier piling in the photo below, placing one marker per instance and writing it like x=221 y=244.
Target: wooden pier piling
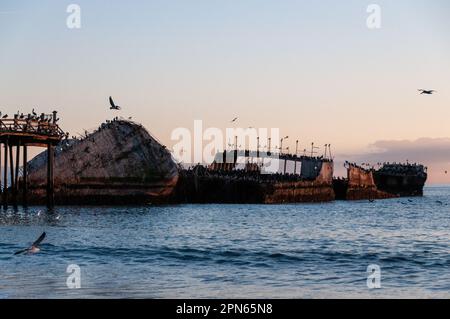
x=25 y=176
x=5 y=176
x=27 y=131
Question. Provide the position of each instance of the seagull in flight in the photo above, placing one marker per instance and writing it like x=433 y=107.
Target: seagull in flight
x=428 y=92
x=113 y=105
x=34 y=248
x=234 y=120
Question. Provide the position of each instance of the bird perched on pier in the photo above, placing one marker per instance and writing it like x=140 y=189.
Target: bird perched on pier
x=34 y=113
x=34 y=248
x=234 y=120
x=428 y=92
x=113 y=105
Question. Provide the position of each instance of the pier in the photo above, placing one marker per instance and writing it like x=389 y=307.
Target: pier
x=18 y=133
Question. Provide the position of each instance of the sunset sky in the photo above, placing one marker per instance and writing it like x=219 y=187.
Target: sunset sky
x=311 y=68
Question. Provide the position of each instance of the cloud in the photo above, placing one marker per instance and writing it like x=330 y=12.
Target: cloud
x=432 y=152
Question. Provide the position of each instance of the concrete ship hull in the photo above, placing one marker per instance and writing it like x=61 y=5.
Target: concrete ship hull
x=120 y=163
x=362 y=184
x=359 y=185
x=253 y=188
x=399 y=185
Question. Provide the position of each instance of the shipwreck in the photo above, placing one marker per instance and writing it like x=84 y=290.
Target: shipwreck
x=119 y=163
x=389 y=181
x=122 y=163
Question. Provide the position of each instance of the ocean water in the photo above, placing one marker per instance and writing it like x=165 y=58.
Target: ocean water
x=232 y=251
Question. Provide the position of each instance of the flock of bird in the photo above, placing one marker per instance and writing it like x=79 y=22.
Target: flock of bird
x=33 y=116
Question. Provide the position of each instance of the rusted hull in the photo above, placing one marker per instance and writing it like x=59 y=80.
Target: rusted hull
x=207 y=190
x=302 y=192
x=359 y=185
x=251 y=189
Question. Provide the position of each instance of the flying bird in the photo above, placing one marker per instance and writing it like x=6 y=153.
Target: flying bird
x=234 y=120
x=113 y=105
x=428 y=92
x=34 y=248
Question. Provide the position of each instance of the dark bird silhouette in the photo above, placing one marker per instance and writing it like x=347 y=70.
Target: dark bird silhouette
x=428 y=92
x=34 y=113
x=234 y=120
x=113 y=105
x=5 y=116
x=34 y=248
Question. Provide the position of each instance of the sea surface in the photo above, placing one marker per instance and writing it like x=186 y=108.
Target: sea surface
x=231 y=251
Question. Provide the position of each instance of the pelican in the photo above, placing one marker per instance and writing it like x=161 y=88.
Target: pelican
x=428 y=92
x=5 y=116
x=34 y=248
x=113 y=105
x=34 y=113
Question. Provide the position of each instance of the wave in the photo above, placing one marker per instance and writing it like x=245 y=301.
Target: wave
x=252 y=257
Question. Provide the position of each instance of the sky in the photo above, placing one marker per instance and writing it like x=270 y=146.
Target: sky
x=311 y=68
